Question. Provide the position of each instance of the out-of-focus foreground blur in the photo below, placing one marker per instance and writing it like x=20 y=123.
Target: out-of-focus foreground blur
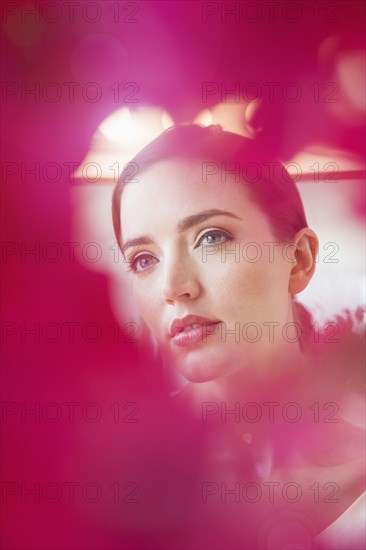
x=94 y=455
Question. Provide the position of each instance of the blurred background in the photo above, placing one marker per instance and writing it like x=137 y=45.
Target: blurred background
x=84 y=86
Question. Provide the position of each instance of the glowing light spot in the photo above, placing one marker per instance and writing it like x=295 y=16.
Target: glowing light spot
x=118 y=126
x=166 y=120
x=204 y=117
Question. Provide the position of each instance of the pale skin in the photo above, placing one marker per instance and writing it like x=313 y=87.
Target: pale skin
x=175 y=273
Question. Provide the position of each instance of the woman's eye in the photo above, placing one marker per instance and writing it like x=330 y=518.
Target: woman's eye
x=213 y=237
x=141 y=263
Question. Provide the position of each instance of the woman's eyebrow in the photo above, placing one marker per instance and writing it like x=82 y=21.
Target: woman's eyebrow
x=200 y=217
x=144 y=239
x=183 y=225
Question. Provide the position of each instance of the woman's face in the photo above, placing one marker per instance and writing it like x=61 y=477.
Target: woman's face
x=190 y=256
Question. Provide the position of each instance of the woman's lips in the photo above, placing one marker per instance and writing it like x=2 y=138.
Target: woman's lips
x=195 y=334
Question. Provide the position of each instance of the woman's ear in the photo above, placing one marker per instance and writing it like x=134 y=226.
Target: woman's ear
x=306 y=246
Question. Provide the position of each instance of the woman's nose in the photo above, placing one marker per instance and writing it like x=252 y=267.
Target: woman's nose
x=180 y=280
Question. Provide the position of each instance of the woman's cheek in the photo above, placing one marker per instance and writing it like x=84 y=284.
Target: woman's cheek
x=242 y=273
x=146 y=299
x=152 y=306
x=248 y=289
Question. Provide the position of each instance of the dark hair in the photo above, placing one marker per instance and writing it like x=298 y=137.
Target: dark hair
x=271 y=186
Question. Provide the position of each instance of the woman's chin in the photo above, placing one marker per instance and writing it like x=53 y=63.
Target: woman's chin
x=197 y=368
x=196 y=375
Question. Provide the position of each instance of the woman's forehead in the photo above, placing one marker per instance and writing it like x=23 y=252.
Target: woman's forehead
x=175 y=183
x=189 y=179
x=175 y=169
x=171 y=190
